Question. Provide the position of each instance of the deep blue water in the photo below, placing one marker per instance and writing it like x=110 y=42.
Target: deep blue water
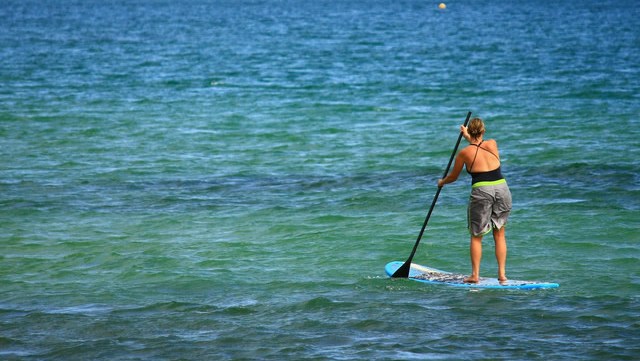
x=226 y=180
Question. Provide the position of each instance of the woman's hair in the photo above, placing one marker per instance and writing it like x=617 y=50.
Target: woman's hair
x=476 y=127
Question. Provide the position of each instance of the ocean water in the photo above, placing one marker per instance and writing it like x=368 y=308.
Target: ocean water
x=225 y=180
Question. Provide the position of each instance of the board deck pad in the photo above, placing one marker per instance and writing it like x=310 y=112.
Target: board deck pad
x=438 y=277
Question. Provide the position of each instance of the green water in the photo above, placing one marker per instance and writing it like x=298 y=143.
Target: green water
x=225 y=180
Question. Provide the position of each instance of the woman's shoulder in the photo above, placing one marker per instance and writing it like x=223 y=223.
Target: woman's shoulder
x=467 y=152
x=491 y=143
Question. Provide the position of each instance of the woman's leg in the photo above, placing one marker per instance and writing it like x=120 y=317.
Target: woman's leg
x=475 y=249
x=501 y=252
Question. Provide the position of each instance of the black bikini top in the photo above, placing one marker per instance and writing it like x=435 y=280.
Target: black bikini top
x=488 y=176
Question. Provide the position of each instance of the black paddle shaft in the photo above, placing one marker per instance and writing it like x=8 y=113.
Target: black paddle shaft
x=403 y=271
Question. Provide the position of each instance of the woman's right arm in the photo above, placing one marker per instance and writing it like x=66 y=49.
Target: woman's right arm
x=465 y=133
x=453 y=175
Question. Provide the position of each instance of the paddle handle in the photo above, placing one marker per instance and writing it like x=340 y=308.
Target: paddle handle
x=403 y=271
x=455 y=149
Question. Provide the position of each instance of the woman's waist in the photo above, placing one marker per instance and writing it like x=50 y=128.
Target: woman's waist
x=489 y=176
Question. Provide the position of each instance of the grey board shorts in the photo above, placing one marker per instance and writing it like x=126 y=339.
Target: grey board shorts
x=489 y=207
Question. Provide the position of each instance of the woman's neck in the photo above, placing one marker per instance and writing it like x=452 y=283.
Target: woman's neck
x=477 y=140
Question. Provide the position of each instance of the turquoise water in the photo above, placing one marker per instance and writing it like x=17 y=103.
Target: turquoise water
x=225 y=180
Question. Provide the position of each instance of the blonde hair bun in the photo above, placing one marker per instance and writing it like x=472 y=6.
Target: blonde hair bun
x=476 y=127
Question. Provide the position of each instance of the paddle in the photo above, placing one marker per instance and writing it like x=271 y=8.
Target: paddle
x=403 y=271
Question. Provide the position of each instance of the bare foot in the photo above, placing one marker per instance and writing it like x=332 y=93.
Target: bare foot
x=502 y=280
x=471 y=279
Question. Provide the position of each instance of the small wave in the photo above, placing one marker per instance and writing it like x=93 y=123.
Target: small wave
x=85 y=310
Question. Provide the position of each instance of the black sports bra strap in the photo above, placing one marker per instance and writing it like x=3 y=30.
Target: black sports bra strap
x=476 y=155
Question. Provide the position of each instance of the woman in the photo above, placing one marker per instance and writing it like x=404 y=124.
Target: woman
x=490 y=201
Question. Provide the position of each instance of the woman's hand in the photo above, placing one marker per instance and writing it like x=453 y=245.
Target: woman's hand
x=440 y=183
x=465 y=132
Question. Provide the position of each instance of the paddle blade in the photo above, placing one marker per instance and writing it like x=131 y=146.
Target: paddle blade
x=403 y=271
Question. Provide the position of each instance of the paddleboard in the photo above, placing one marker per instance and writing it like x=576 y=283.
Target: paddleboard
x=437 y=277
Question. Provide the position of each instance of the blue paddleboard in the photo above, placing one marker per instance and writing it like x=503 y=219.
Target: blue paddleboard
x=437 y=277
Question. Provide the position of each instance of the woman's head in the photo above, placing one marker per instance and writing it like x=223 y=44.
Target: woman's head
x=476 y=128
